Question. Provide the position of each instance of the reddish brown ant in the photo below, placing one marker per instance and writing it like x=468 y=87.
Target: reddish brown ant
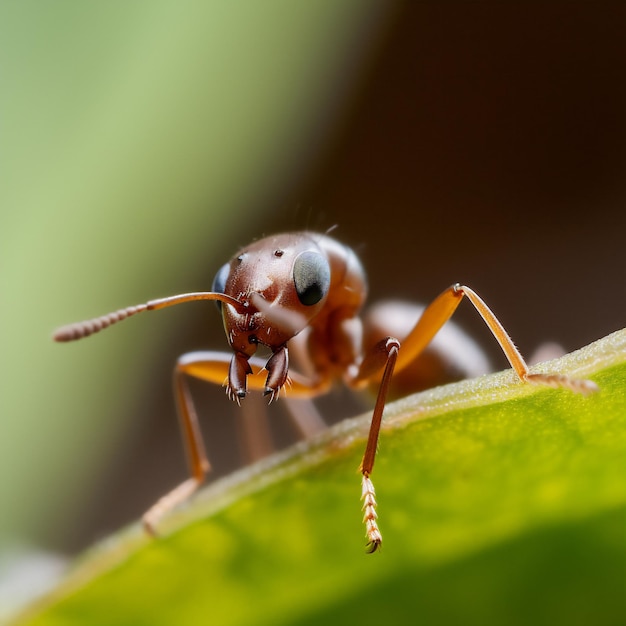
x=306 y=290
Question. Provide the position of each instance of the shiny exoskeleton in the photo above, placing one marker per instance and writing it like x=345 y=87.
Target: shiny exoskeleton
x=305 y=291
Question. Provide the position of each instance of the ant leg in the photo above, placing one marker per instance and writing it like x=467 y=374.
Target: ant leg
x=211 y=367
x=299 y=391
x=440 y=311
x=452 y=355
x=431 y=321
x=384 y=353
x=198 y=462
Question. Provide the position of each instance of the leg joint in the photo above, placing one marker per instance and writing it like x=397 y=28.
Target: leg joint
x=391 y=344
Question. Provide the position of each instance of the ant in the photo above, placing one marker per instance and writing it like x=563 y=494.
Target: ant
x=303 y=291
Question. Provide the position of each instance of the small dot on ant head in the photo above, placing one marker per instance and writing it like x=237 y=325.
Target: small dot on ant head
x=279 y=253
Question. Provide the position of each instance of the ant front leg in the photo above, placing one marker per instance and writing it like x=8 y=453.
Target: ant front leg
x=383 y=354
x=217 y=367
x=213 y=366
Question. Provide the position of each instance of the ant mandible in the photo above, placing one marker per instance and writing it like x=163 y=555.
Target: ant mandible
x=306 y=291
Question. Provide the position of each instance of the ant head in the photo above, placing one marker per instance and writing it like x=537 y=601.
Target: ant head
x=282 y=283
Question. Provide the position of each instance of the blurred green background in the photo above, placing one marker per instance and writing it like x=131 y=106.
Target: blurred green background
x=144 y=142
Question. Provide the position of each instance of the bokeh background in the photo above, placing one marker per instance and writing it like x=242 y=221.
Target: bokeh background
x=143 y=142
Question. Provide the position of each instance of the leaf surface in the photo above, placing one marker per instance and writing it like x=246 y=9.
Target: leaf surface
x=499 y=503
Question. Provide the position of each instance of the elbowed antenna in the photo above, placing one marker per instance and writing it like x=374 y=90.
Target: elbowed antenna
x=78 y=330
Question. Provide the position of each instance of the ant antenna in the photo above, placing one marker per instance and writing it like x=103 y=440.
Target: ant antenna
x=78 y=330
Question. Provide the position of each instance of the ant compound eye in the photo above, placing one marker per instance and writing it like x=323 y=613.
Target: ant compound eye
x=219 y=282
x=311 y=277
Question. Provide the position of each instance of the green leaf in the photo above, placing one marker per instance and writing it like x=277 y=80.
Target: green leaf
x=499 y=503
